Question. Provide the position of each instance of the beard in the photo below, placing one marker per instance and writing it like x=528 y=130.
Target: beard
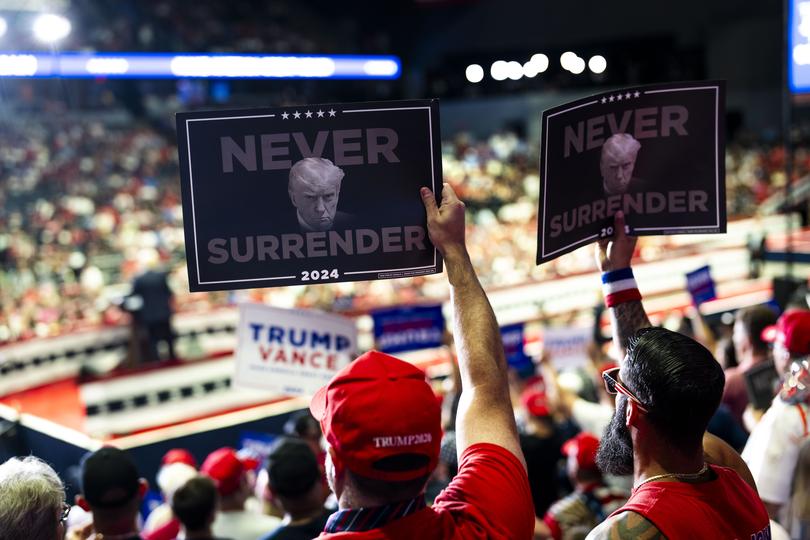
x=615 y=454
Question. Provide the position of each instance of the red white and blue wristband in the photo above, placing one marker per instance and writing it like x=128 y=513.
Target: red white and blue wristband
x=619 y=286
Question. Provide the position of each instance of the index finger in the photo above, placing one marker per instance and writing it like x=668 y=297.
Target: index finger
x=430 y=203
x=618 y=225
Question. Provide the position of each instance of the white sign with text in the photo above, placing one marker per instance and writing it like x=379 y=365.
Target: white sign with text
x=567 y=346
x=292 y=352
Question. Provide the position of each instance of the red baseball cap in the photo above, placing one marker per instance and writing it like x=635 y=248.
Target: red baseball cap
x=535 y=401
x=377 y=409
x=225 y=468
x=179 y=455
x=583 y=447
x=792 y=329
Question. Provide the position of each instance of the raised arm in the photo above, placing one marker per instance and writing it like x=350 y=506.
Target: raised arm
x=485 y=411
x=614 y=255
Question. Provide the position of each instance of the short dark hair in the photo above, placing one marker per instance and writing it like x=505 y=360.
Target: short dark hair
x=302 y=424
x=678 y=380
x=292 y=467
x=195 y=502
x=109 y=478
x=754 y=320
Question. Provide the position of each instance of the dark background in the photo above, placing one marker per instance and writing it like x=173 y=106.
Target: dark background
x=644 y=42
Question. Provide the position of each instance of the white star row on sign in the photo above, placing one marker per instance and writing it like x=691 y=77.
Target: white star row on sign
x=618 y=97
x=308 y=114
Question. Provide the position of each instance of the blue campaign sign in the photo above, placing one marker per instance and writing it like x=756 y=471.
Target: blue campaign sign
x=150 y=501
x=799 y=45
x=700 y=285
x=257 y=442
x=408 y=328
x=513 y=340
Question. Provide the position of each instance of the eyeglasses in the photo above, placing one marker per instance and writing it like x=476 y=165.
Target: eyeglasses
x=613 y=387
x=65 y=511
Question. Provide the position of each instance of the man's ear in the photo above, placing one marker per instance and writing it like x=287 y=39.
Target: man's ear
x=335 y=470
x=81 y=502
x=335 y=459
x=271 y=497
x=632 y=415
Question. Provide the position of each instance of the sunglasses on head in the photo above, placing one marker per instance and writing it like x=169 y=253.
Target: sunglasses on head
x=613 y=386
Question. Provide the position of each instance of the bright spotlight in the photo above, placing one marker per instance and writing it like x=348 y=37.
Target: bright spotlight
x=540 y=62
x=597 y=64
x=3 y=26
x=18 y=65
x=378 y=67
x=514 y=70
x=577 y=66
x=499 y=70
x=50 y=28
x=567 y=59
x=530 y=69
x=474 y=73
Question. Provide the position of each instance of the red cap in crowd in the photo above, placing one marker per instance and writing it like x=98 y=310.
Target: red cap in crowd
x=792 y=330
x=179 y=455
x=378 y=408
x=583 y=447
x=226 y=468
x=606 y=366
x=535 y=402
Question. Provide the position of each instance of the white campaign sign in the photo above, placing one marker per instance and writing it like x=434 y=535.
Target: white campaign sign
x=568 y=346
x=292 y=352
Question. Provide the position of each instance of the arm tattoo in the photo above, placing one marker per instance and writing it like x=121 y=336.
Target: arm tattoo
x=630 y=525
x=626 y=319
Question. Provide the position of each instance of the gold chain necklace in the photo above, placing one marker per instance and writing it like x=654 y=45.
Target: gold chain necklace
x=679 y=476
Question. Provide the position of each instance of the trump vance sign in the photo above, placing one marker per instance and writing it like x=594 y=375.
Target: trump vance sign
x=291 y=352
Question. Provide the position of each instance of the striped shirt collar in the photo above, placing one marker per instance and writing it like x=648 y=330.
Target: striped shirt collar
x=365 y=519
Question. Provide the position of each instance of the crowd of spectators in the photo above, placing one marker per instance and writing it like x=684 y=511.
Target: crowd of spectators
x=83 y=205
x=284 y=494
x=87 y=204
x=559 y=423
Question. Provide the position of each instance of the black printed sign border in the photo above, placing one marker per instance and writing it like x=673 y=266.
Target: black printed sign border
x=352 y=108
x=717 y=86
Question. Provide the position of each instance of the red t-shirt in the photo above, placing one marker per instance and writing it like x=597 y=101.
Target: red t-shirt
x=169 y=531
x=725 y=508
x=488 y=498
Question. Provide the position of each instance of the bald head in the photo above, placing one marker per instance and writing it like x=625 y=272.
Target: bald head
x=617 y=162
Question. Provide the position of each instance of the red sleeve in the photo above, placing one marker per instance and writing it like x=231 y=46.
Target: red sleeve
x=491 y=490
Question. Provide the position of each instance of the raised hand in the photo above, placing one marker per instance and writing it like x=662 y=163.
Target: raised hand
x=445 y=222
x=615 y=253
